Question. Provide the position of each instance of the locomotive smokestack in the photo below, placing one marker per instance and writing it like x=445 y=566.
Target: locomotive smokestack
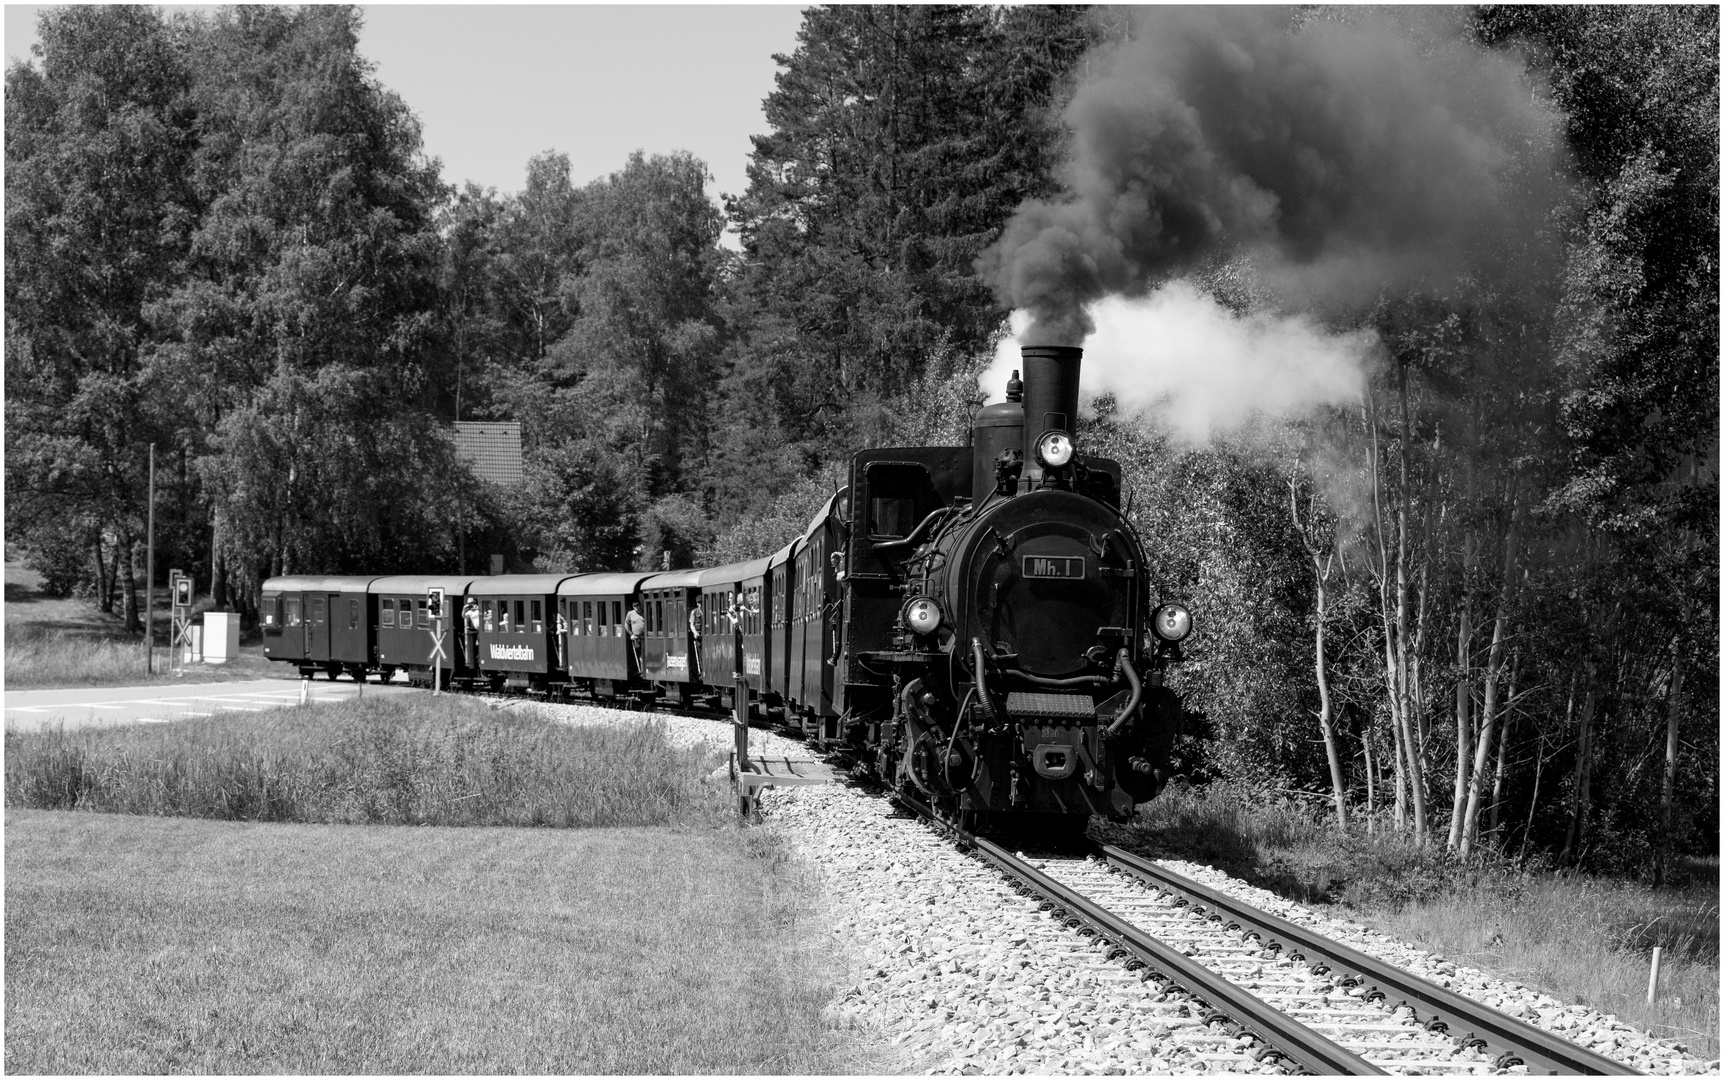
x=1050 y=392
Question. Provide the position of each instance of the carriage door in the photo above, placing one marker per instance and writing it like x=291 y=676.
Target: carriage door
x=830 y=618
x=317 y=624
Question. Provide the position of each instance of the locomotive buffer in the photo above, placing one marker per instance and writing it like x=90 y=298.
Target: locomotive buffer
x=750 y=774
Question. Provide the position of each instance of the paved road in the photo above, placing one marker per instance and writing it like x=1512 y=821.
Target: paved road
x=28 y=710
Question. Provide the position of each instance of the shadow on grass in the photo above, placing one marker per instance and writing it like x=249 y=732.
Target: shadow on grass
x=1283 y=844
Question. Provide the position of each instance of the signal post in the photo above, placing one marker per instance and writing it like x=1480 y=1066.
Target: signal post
x=434 y=608
x=180 y=593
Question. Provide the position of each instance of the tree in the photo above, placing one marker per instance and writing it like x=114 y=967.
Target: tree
x=308 y=314
x=901 y=139
x=97 y=227
x=627 y=272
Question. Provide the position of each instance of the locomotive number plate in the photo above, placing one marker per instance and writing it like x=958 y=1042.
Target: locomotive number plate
x=1039 y=566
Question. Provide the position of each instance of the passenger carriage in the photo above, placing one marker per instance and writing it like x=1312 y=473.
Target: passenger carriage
x=739 y=587
x=407 y=636
x=597 y=655
x=665 y=660
x=319 y=623
x=517 y=643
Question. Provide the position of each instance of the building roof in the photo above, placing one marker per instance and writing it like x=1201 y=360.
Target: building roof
x=491 y=448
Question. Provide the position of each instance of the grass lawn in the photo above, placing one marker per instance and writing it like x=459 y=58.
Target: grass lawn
x=1583 y=940
x=142 y=945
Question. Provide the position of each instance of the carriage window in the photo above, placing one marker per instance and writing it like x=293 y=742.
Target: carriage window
x=658 y=615
x=520 y=616
x=423 y=613
x=353 y=614
x=602 y=630
x=587 y=616
x=386 y=613
x=271 y=612
x=617 y=617
x=317 y=611
x=538 y=617
x=292 y=617
x=488 y=617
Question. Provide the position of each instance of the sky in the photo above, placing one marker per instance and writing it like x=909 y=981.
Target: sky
x=493 y=84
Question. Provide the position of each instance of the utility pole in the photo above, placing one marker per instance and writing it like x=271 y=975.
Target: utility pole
x=150 y=573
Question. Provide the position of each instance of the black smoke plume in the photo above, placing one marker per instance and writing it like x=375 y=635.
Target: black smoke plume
x=1342 y=158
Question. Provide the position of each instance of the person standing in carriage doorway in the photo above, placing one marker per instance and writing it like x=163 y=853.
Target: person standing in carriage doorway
x=696 y=621
x=737 y=613
x=635 y=623
x=561 y=639
x=470 y=631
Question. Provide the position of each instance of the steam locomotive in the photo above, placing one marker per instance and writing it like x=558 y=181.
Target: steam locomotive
x=970 y=624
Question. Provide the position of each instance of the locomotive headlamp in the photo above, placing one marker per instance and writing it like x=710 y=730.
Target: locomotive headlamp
x=1171 y=622
x=922 y=615
x=1054 y=450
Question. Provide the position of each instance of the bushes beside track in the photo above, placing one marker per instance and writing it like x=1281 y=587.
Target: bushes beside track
x=404 y=761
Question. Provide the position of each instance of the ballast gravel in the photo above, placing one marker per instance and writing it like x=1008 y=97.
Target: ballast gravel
x=962 y=974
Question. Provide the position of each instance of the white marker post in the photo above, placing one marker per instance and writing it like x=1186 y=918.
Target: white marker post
x=1652 y=983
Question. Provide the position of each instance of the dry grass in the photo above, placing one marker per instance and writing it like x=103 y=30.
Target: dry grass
x=61 y=642
x=1579 y=939
x=40 y=658
x=145 y=945
x=1586 y=941
x=402 y=760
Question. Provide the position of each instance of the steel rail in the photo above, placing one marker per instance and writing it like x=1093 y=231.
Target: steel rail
x=1309 y=1049
x=1539 y=1050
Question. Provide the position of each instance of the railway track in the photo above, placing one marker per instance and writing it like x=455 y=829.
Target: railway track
x=1320 y=1005
x=1323 y=1007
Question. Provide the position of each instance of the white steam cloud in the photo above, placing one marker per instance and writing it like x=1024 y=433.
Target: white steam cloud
x=1184 y=362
